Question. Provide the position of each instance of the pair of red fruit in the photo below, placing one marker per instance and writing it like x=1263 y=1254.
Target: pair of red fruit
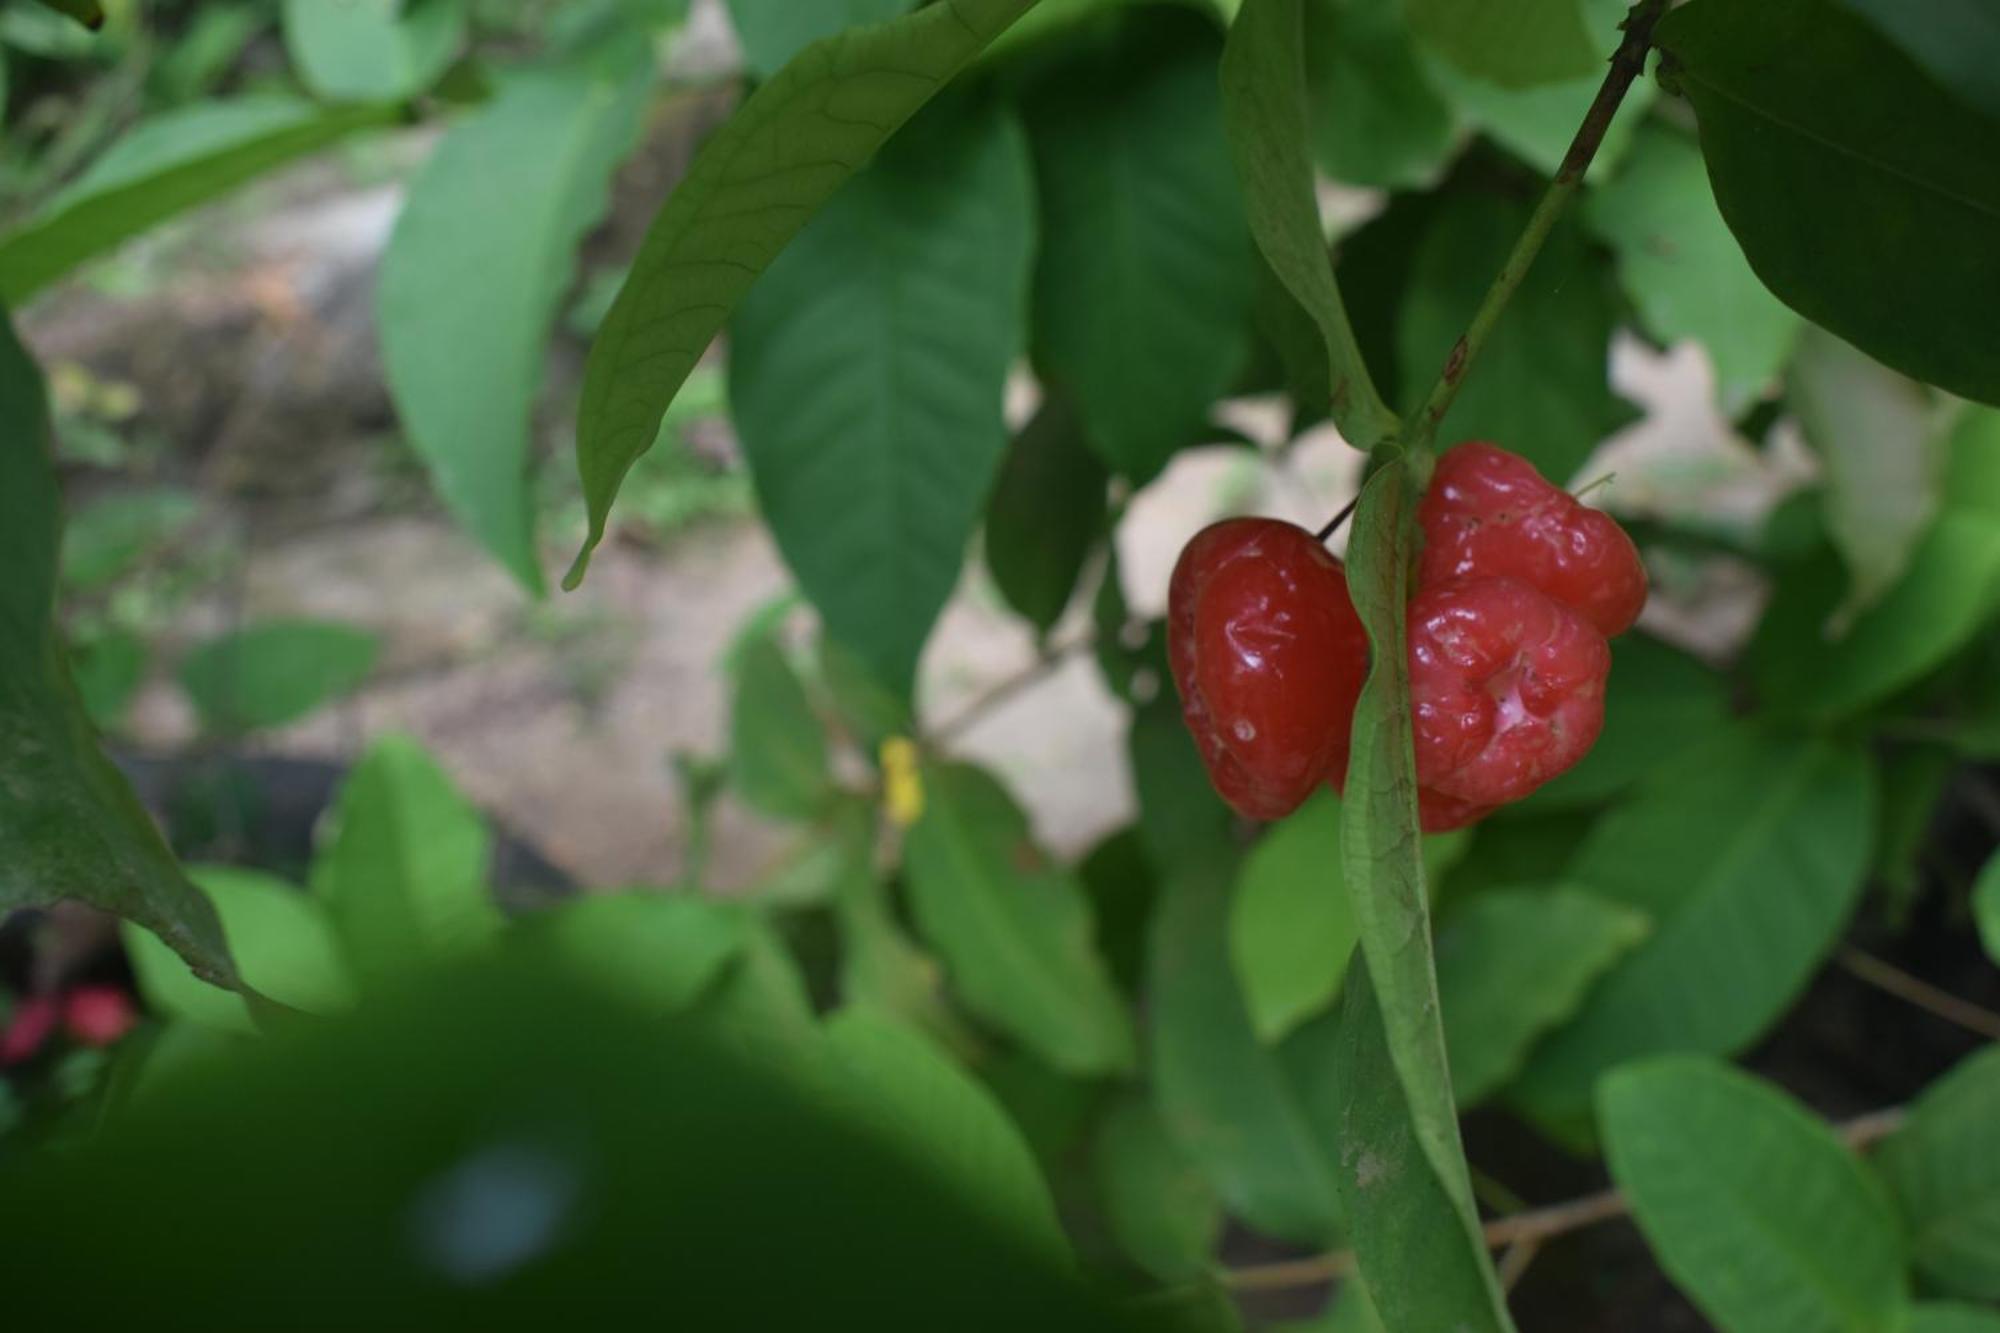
x=1518 y=589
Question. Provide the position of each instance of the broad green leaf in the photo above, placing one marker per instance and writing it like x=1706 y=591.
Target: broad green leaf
x=70 y=826
x=372 y=50
x=1661 y=703
x=1749 y=854
x=1120 y=880
x=1685 y=272
x=281 y=938
x=1403 y=1123
x=1142 y=288
x=1948 y=1317
x=777 y=747
x=1545 y=396
x=1159 y=1206
x=1957 y=42
x=773 y=31
x=1945 y=597
x=1181 y=819
x=927 y=1109
x=274 y=672
x=760 y=1006
x=872 y=711
x=882 y=970
x=1876 y=434
x=867 y=371
x=657 y=951
x=751 y=189
x=1754 y=1207
x=103 y=540
x=165 y=166
x=108 y=669
x=1520 y=847
x=1046 y=514
x=1014 y=931
x=1264 y=104
x=1419 y=1253
x=1230 y=1102
x=404 y=871
x=1986 y=907
x=1377 y=115
x=1291 y=927
x=87 y=12
x=1514 y=45
x=1945 y=1171
x=1512 y=966
x=478 y=265
x=1808 y=112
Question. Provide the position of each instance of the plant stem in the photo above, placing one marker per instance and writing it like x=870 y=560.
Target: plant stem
x=1529 y=1229
x=1893 y=980
x=1626 y=65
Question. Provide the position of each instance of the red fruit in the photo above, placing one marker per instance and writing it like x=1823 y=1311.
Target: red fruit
x=1488 y=512
x=34 y=1022
x=1506 y=687
x=1269 y=656
x=98 y=1015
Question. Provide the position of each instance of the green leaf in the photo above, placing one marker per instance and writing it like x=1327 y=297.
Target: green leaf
x=1393 y=1038
x=1046 y=513
x=774 y=31
x=372 y=50
x=478 y=265
x=108 y=669
x=1120 y=881
x=872 y=711
x=882 y=970
x=777 y=747
x=1156 y=1201
x=165 y=166
x=1514 y=965
x=929 y=1111
x=87 y=12
x=1986 y=907
x=1181 y=819
x=657 y=951
x=1946 y=1317
x=283 y=943
x=1946 y=1176
x=1291 y=927
x=1947 y=595
x=1377 y=116
x=1230 y=1102
x=1547 y=398
x=1419 y=1251
x=1809 y=112
x=1661 y=703
x=274 y=672
x=1957 y=42
x=70 y=826
x=1754 y=1207
x=1014 y=931
x=751 y=189
x=104 y=540
x=404 y=872
x=1875 y=431
x=1264 y=103
x=1142 y=288
x=1514 y=45
x=867 y=371
x=1749 y=854
x=1685 y=272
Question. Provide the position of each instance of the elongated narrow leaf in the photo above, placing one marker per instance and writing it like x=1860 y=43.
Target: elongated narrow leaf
x=1264 y=102
x=1683 y=269
x=773 y=31
x=1229 y=1101
x=274 y=672
x=70 y=827
x=1377 y=116
x=1142 y=291
x=1405 y=1182
x=1046 y=514
x=867 y=372
x=1946 y=1175
x=1514 y=45
x=1512 y=965
x=1748 y=854
x=1752 y=1204
x=749 y=192
x=1291 y=925
x=1159 y=1206
x=478 y=264
x=405 y=872
x=777 y=747
x=1809 y=112
x=372 y=50
x=1423 y=1268
x=1014 y=931
x=163 y=167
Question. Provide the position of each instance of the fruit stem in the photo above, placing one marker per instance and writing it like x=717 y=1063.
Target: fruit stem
x=1333 y=524
x=1627 y=63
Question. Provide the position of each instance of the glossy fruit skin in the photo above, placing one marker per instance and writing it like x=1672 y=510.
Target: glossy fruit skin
x=1506 y=688
x=1269 y=657
x=1489 y=513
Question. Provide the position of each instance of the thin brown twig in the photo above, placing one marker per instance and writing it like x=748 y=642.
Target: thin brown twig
x=1046 y=664
x=1525 y=1231
x=1892 y=980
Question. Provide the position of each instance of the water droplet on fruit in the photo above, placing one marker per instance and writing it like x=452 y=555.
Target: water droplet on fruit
x=1244 y=730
